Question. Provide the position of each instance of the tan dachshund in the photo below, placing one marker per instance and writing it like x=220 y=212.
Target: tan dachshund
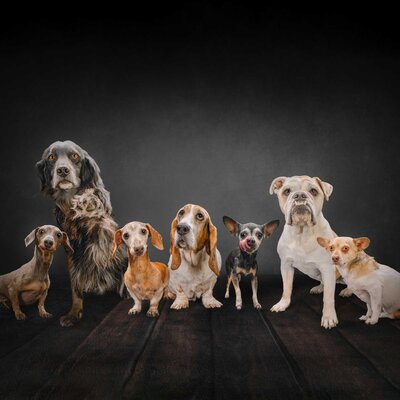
x=31 y=282
x=145 y=280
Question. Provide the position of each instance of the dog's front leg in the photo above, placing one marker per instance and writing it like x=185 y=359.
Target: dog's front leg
x=287 y=272
x=208 y=300
x=75 y=314
x=154 y=301
x=329 y=319
x=137 y=307
x=254 y=287
x=42 y=311
x=181 y=300
x=375 y=295
x=14 y=298
x=238 y=293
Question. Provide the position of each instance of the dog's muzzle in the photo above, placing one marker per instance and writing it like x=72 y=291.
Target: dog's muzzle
x=301 y=211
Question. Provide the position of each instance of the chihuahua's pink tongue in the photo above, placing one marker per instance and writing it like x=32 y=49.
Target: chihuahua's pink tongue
x=243 y=245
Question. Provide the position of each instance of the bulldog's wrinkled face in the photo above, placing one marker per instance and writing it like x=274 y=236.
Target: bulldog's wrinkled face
x=87 y=205
x=301 y=198
x=344 y=249
x=135 y=235
x=191 y=225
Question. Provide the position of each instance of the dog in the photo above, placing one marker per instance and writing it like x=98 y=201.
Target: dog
x=301 y=199
x=195 y=261
x=66 y=171
x=30 y=283
x=376 y=284
x=242 y=260
x=145 y=280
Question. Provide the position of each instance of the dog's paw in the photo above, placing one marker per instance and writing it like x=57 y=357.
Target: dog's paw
x=371 y=321
x=238 y=305
x=45 y=314
x=329 y=321
x=317 y=289
x=257 y=306
x=70 y=319
x=346 y=292
x=227 y=295
x=211 y=302
x=282 y=305
x=152 y=312
x=134 y=310
x=180 y=304
x=363 y=317
x=20 y=316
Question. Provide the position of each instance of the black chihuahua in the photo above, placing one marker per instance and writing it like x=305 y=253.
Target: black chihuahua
x=242 y=260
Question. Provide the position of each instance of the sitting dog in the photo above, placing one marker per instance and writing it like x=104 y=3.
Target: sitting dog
x=195 y=260
x=376 y=284
x=30 y=283
x=242 y=260
x=301 y=199
x=145 y=280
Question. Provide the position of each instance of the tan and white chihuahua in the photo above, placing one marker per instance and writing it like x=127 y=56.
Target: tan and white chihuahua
x=376 y=284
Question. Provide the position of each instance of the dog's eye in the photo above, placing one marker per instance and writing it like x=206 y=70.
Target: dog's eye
x=243 y=235
x=314 y=192
x=200 y=216
x=144 y=231
x=286 y=192
x=181 y=212
x=330 y=248
x=74 y=157
x=345 y=249
x=41 y=231
x=126 y=235
x=259 y=235
x=59 y=234
x=51 y=157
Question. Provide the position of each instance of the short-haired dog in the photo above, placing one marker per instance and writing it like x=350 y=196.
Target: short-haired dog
x=376 y=284
x=30 y=283
x=242 y=260
x=145 y=280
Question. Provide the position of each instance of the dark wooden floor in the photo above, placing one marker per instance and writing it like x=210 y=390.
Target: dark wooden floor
x=199 y=353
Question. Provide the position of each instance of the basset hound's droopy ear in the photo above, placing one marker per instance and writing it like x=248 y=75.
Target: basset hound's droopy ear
x=326 y=187
x=173 y=250
x=117 y=241
x=156 y=238
x=276 y=184
x=211 y=248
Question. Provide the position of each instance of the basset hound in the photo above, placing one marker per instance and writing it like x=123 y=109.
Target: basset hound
x=195 y=261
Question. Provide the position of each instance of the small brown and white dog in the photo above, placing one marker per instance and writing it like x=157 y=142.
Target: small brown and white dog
x=30 y=283
x=195 y=260
x=145 y=280
x=376 y=284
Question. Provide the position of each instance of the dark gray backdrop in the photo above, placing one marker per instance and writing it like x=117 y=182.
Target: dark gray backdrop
x=206 y=104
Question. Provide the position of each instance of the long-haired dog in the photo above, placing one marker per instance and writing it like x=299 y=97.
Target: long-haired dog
x=67 y=172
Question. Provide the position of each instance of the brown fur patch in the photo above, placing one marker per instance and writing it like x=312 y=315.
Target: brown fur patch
x=362 y=265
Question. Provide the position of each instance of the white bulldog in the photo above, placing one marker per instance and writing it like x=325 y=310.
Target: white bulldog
x=301 y=199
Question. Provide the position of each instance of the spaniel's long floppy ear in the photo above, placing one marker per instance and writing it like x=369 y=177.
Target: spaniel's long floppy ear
x=211 y=248
x=66 y=243
x=326 y=187
x=31 y=237
x=117 y=241
x=276 y=184
x=173 y=250
x=156 y=238
x=44 y=173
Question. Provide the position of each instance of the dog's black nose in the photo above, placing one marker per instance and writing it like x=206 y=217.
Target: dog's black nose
x=48 y=243
x=138 y=250
x=300 y=195
x=62 y=171
x=183 y=229
x=251 y=242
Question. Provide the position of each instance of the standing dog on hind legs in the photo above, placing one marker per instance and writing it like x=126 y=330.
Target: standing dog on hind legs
x=66 y=171
x=242 y=260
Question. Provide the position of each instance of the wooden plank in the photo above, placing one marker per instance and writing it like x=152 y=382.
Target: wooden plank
x=103 y=362
x=177 y=361
x=331 y=366
x=24 y=370
x=249 y=362
x=376 y=343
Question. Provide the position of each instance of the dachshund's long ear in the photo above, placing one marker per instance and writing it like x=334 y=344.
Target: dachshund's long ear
x=117 y=241
x=156 y=238
x=31 y=237
x=44 y=173
x=174 y=251
x=66 y=243
x=211 y=248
